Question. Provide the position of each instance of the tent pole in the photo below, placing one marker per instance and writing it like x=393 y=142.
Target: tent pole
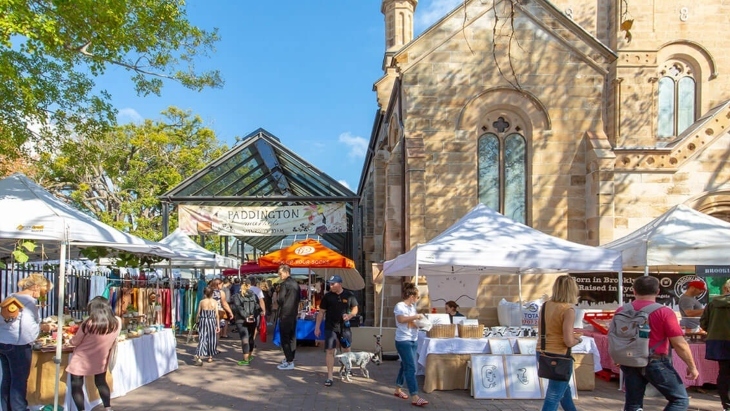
x=621 y=287
x=173 y=309
x=382 y=302
x=646 y=270
x=60 y=315
x=519 y=288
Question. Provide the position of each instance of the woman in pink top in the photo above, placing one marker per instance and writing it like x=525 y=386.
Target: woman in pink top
x=93 y=341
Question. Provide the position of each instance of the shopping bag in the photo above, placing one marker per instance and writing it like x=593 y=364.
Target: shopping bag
x=262 y=329
x=112 y=359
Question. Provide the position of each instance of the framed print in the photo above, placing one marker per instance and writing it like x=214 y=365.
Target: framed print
x=488 y=379
x=522 y=379
x=527 y=345
x=500 y=346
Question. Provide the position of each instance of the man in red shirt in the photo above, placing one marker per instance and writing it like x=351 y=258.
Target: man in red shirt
x=659 y=372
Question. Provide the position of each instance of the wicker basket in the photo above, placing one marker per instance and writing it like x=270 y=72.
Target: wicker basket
x=442 y=331
x=471 y=331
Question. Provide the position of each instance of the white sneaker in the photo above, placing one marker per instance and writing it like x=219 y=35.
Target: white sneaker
x=286 y=366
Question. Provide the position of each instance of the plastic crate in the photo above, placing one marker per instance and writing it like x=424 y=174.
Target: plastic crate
x=599 y=321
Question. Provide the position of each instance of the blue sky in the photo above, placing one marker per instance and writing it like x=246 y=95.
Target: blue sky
x=303 y=70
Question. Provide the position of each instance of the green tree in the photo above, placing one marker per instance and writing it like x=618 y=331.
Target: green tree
x=118 y=176
x=51 y=51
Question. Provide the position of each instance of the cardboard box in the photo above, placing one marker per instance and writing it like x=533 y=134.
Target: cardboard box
x=585 y=377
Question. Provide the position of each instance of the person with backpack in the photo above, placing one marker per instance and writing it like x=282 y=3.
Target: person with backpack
x=715 y=320
x=558 y=317
x=639 y=340
x=246 y=311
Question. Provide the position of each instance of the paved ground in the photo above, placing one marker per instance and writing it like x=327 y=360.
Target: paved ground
x=223 y=385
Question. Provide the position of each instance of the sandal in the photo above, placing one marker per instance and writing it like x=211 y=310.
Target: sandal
x=244 y=362
x=328 y=383
x=210 y=359
x=420 y=403
x=401 y=394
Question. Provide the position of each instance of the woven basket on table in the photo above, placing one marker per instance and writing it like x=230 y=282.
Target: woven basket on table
x=471 y=331
x=442 y=331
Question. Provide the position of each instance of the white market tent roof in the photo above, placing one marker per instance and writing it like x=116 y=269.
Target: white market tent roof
x=29 y=212
x=681 y=236
x=202 y=258
x=485 y=242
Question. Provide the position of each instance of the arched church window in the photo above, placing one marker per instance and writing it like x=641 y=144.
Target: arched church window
x=676 y=96
x=502 y=165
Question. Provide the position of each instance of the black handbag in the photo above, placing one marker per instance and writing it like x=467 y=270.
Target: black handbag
x=552 y=366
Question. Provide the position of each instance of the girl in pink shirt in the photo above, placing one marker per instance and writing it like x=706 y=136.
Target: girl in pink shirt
x=93 y=341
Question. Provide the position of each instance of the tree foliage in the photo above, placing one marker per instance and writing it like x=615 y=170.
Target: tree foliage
x=118 y=177
x=51 y=51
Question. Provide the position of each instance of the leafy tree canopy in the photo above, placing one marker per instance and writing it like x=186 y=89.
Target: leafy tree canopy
x=51 y=51
x=118 y=176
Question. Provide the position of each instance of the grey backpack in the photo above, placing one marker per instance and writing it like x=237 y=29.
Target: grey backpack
x=624 y=344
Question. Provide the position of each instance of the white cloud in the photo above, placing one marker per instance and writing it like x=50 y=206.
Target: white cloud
x=429 y=13
x=358 y=145
x=129 y=115
x=344 y=183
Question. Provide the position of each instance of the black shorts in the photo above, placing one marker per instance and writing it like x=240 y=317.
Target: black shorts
x=332 y=338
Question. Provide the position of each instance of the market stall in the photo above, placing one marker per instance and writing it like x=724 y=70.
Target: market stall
x=141 y=360
x=443 y=361
x=707 y=369
x=313 y=255
x=484 y=242
x=32 y=213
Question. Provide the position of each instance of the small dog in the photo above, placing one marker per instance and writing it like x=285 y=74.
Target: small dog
x=360 y=359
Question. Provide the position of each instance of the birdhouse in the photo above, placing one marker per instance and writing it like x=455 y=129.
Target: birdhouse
x=10 y=309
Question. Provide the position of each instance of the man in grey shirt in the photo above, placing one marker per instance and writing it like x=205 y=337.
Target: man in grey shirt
x=690 y=308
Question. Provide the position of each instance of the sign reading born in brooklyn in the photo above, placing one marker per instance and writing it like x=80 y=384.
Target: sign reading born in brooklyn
x=263 y=221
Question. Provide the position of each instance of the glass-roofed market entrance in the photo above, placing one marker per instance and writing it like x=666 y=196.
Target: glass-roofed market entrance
x=261 y=172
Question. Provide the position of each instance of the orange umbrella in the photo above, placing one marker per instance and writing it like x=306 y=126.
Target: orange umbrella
x=306 y=254
x=312 y=254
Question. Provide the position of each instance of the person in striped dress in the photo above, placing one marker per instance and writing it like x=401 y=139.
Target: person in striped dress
x=208 y=327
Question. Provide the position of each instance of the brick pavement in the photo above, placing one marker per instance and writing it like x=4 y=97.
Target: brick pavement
x=223 y=385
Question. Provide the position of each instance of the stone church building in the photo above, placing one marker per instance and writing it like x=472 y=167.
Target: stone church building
x=584 y=119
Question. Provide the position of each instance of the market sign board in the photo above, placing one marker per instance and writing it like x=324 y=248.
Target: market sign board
x=263 y=221
x=598 y=290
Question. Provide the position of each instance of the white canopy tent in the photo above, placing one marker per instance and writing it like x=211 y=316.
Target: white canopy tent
x=198 y=257
x=29 y=212
x=681 y=236
x=484 y=242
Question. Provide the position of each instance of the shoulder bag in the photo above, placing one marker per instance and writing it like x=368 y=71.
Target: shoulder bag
x=557 y=367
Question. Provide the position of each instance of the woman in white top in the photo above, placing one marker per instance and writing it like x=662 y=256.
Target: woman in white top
x=406 y=336
x=16 y=337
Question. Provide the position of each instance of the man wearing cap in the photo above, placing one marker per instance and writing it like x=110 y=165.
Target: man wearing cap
x=690 y=308
x=337 y=308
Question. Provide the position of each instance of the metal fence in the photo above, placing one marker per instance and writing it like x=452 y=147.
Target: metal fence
x=76 y=288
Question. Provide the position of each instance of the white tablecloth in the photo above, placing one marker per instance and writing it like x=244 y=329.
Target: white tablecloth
x=428 y=346
x=139 y=362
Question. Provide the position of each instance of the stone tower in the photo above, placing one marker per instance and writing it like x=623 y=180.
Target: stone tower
x=398 y=25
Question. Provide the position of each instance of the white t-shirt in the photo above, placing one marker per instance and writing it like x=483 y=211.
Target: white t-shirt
x=258 y=292
x=402 y=331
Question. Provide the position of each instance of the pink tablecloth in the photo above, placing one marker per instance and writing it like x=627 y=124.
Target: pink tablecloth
x=708 y=369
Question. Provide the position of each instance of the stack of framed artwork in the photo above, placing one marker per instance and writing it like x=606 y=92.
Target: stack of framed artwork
x=508 y=376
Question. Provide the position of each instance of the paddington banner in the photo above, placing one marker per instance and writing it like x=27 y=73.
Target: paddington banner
x=263 y=221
